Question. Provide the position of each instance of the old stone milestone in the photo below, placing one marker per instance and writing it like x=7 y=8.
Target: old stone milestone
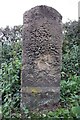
x=41 y=60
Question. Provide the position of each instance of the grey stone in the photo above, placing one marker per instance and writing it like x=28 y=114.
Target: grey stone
x=41 y=61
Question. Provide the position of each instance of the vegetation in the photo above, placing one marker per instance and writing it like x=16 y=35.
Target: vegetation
x=10 y=74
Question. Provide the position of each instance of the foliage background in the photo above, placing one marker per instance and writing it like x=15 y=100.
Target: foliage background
x=10 y=74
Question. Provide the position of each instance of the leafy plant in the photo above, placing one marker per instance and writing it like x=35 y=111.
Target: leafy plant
x=10 y=75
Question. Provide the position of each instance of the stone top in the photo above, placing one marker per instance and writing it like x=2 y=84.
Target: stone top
x=41 y=11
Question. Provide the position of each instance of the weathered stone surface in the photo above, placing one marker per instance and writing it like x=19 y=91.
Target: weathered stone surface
x=41 y=65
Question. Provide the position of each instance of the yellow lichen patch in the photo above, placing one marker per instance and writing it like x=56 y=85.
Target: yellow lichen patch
x=34 y=90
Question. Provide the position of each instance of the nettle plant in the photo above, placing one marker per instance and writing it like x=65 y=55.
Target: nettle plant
x=11 y=69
